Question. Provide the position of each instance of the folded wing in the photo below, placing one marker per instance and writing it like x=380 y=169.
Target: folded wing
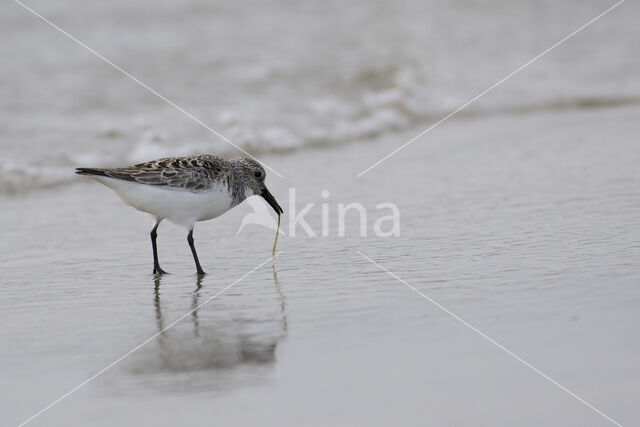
x=197 y=173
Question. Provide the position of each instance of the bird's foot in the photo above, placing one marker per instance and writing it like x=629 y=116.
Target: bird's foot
x=158 y=270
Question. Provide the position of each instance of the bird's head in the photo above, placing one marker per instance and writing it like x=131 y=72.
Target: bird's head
x=253 y=176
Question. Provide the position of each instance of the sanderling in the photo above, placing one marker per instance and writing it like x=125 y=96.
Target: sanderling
x=185 y=190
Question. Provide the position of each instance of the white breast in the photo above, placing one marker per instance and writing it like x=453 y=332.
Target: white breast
x=178 y=206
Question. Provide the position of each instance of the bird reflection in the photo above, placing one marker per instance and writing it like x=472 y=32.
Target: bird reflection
x=238 y=331
x=194 y=305
x=159 y=319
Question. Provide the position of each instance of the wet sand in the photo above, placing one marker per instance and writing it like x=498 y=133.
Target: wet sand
x=526 y=226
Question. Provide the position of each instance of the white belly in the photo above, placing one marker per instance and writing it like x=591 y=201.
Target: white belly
x=178 y=206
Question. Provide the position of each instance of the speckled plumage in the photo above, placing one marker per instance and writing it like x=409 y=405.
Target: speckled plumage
x=195 y=173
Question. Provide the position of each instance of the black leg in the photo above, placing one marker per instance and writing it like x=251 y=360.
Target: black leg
x=193 y=251
x=156 y=264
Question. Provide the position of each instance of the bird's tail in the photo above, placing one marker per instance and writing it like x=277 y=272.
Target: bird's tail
x=90 y=171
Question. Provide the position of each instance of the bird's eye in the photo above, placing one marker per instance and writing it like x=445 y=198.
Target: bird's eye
x=257 y=174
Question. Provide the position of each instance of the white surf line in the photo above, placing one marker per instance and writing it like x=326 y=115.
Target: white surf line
x=492 y=341
x=136 y=348
x=489 y=89
x=147 y=87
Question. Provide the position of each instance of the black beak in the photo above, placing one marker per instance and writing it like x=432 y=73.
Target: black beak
x=271 y=200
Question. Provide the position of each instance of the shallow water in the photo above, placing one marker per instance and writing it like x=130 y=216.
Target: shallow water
x=527 y=228
x=521 y=216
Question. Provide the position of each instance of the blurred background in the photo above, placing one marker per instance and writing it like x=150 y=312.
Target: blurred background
x=284 y=75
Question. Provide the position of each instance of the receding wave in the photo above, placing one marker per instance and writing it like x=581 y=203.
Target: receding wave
x=19 y=178
x=377 y=114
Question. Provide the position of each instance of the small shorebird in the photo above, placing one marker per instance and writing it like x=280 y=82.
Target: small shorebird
x=185 y=190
